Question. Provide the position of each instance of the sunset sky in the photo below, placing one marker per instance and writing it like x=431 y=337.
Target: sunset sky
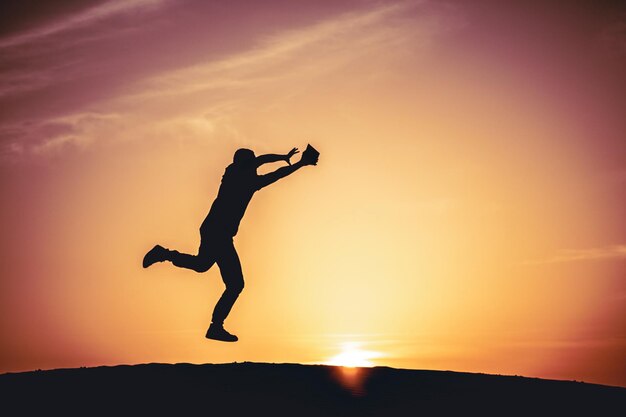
x=467 y=212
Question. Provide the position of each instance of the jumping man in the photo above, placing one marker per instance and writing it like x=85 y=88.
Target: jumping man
x=239 y=183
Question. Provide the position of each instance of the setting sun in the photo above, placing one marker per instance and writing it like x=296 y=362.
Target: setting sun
x=352 y=356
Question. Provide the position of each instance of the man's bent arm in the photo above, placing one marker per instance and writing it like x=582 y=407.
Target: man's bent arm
x=272 y=177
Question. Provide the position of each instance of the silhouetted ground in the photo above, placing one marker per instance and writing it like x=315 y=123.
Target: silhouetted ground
x=259 y=389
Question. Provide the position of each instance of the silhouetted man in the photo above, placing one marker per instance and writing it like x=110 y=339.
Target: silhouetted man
x=239 y=183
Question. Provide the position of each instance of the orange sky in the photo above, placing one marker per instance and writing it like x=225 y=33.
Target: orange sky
x=466 y=213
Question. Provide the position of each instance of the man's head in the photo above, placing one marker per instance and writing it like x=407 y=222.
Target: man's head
x=243 y=156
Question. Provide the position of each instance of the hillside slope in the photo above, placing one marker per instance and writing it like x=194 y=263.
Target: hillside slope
x=297 y=390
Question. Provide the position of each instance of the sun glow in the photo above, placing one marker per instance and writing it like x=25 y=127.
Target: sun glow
x=352 y=356
x=471 y=180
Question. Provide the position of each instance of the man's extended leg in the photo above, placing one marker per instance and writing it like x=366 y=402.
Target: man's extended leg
x=232 y=275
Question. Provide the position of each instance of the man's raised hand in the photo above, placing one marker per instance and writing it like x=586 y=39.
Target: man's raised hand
x=290 y=154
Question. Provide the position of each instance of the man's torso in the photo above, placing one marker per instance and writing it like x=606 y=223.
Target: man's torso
x=237 y=188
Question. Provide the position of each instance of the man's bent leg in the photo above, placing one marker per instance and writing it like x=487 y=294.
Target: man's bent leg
x=196 y=263
x=201 y=262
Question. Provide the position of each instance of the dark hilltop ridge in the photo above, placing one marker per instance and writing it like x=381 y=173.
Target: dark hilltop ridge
x=262 y=389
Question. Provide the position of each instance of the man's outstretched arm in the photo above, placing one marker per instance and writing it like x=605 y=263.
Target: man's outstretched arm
x=270 y=157
x=272 y=177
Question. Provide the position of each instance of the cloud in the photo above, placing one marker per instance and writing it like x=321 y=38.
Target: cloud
x=78 y=129
x=63 y=50
x=201 y=100
x=78 y=20
x=318 y=47
x=21 y=80
x=592 y=254
x=207 y=99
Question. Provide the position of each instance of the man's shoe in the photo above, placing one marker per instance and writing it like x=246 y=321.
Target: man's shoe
x=216 y=332
x=156 y=254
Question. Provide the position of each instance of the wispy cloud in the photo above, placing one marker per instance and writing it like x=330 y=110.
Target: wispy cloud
x=63 y=50
x=209 y=93
x=81 y=19
x=20 y=80
x=78 y=129
x=337 y=41
x=591 y=254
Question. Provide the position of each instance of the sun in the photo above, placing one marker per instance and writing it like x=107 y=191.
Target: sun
x=352 y=356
